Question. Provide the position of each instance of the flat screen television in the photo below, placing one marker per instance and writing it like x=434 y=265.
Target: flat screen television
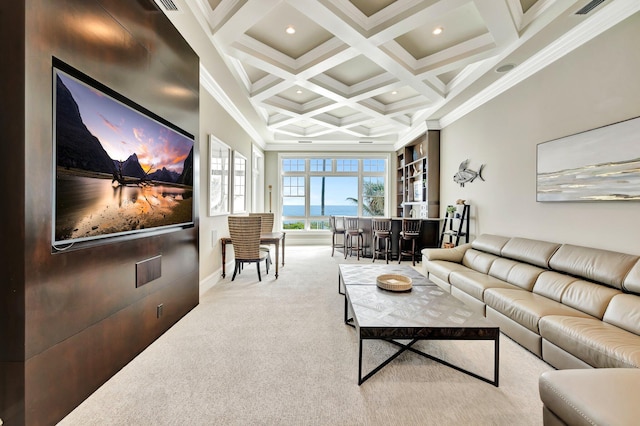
x=119 y=169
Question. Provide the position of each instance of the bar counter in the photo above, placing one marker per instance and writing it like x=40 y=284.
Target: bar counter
x=429 y=234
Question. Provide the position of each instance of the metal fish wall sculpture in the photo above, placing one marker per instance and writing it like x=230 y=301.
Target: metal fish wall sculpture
x=465 y=175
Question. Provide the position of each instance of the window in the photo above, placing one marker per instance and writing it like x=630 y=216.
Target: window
x=373 y=165
x=239 y=182
x=314 y=188
x=372 y=196
x=293 y=201
x=296 y=165
x=347 y=165
x=322 y=165
x=333 y=195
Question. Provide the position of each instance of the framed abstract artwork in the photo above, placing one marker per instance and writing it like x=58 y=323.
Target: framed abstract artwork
x=219 y=170
x=602 y=164
x=239 y=183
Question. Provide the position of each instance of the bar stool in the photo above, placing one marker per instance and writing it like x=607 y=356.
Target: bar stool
x=337 y=228
x=410 y=232
x=352 y=230
x=381 y=229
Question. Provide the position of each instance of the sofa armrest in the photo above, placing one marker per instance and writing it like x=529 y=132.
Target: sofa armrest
x=592 y=396
x=449 y=254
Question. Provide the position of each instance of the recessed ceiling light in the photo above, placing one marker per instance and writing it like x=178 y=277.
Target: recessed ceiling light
x=298 y=91
x=395 y=92
x=437 y=31
x=290 y=30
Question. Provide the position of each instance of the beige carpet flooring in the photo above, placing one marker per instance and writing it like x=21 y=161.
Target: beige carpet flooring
x=277 y=352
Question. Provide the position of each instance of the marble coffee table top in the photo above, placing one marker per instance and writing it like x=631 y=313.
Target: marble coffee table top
x=422 y=312
x=366 y=274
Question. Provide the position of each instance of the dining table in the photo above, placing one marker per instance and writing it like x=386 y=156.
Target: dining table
x=269 y=238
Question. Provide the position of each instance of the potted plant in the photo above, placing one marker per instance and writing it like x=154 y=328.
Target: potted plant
x=451 y=210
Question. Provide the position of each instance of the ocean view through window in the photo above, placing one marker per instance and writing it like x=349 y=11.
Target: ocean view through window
x=314 y=187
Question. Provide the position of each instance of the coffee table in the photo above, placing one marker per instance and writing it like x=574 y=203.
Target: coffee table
x=424 y=313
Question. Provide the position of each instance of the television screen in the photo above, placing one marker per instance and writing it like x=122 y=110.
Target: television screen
x=119 y=169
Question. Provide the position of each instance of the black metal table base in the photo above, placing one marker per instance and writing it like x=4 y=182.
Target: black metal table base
x=408 y=347
x=496 y=355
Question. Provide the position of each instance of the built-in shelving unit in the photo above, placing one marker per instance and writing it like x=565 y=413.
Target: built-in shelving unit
x=418 y=177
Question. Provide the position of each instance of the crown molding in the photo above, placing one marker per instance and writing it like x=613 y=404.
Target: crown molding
x=208 y=82
x=610 y=15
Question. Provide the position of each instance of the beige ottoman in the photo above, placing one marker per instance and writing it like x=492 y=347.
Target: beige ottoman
x=602 y=396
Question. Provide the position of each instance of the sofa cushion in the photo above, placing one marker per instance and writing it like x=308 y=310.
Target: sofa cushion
x=597 y=265
x=624 y=311
x=521 y=274
x=526 y=308
x=490 y=243
x=478 y=260
x=442 y=269
x=475 y=283
x=530 y=251
x=588 y=297
x=597 y=343
x=631 y=282
x=552 y=285
x=606 y=396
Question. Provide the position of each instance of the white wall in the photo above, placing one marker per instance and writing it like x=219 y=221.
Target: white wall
x=214 y=120
x=596 y=85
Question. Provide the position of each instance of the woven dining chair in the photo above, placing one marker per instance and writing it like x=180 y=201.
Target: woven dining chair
x=265 y=228
x=245 y=238
x=267 y=221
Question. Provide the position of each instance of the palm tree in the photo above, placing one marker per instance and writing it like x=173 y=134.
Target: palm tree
x=373 y=198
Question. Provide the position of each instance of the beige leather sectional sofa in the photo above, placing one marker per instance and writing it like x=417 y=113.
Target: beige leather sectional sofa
x=575 y=307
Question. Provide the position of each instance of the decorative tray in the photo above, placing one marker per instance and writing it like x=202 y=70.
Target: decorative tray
x=394 y=282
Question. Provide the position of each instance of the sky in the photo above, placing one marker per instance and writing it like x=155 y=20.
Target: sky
x=337 y=189
x=123 y=131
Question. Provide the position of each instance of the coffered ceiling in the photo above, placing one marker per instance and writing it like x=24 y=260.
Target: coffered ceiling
x=376 y=71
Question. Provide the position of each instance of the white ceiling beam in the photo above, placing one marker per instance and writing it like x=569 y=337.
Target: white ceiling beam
x=499 y=21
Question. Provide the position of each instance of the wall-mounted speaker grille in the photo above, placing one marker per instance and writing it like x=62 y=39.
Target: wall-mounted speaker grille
x=148 y=270
x=168 y=5
x=589 y=7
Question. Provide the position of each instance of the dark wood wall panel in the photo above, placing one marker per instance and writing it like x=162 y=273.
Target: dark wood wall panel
x=77 y=317
x=109 y=345
x=73 y=295
x=12 y=147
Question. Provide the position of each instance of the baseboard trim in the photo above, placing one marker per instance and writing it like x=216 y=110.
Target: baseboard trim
x=213 y=279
